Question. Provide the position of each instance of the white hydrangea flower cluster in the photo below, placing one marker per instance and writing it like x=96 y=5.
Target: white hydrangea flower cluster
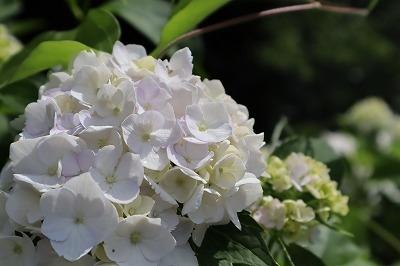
x=122 y=160
x=373 y=117
x=370 y=114
x=288 y=182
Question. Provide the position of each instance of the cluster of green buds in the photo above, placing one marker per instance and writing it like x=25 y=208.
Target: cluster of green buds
x=299 y=194
x=9 y=45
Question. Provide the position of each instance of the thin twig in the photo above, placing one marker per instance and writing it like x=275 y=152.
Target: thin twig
x=345 y=10
x=285 y=251
x=254 y=16
x=383 y=233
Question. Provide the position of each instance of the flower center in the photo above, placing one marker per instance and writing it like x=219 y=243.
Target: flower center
x=52 y=170
x=179 y=182
x=146 y=137
x=111 y=179
x=116 y=111
x=113 y=79
x=101 y=143
x=202 y=127
x=78 y=220
x=131 y=211
x=135 y=238
x=17 y=249
x=147 y=106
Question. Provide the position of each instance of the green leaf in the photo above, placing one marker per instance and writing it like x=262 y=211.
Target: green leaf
x=336 y=249
x=15 y=97
x=226 y=245
x=372 y=5
x=147 y=16
x=99 y=30
x=179 y=5
x=312 y=147
x=9 y=8
x=186 y=19
x=46 y=55
x=3 y=125
x=303 y=257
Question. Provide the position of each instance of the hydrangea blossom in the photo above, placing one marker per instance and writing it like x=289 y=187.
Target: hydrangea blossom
x=123 y=159
x=295 y=178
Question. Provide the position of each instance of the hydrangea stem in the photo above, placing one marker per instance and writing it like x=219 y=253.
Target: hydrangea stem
x=385 y=235
x=261 y=14
x=285 y=251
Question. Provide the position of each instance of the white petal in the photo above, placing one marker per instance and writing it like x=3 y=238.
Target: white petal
x=181 y=62
x=123 y=191
x=106 y=160
x=195 y=201
x=155 y=160
x=159 y=246
x=78 y=244
x=130 y=167
x=159 y=190
x=117 y=248
x=177 y=184
x=180 y=256
x=22 y=205
x=208 y=122
x=9 y=257
x=183 y=231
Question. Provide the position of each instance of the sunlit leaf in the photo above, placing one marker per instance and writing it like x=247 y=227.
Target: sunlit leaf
x=147 y=16
x=46 y=55
x=99 y=30
x=186 y=19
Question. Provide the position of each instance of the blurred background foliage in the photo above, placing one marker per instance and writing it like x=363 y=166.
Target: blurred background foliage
x=309 y=67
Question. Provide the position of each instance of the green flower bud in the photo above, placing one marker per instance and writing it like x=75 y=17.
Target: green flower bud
x=298 y=211
x=278 y=175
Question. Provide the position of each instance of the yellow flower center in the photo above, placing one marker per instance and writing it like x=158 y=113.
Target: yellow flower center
x=179 y=182
x=132 y=211
x=78 y=220
x=111 y=179
x=135 y=238
x=116 y=111
x=52 y=170
x=101 y=143
x=146 y=137
x=17 y=249
x=202 y=127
